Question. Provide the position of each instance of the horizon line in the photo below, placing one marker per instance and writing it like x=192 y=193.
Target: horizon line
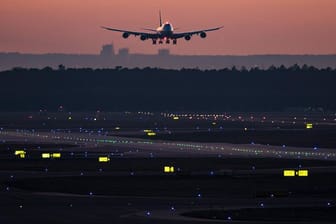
x=137 y=53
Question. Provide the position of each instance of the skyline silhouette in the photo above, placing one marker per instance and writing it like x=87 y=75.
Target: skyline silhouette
x=111 y=57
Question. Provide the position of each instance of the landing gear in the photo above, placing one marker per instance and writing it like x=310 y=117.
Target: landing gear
x=160 y=41
x=174 y=41
x=167 y=41
x=154 y=41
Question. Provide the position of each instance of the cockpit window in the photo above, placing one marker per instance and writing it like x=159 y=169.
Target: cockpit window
x=167 y=26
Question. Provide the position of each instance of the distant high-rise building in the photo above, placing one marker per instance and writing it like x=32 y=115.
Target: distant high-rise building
x=163 y=52
x=107 y=50
x=123 y=52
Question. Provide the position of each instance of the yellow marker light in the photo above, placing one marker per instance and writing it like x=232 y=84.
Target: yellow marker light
x=302 y=173
x=309 y=126
x=168 y=169
x=147 y=130
x=151 y=133
x=56 y=155
x=289 y=173
x=103 y=159
x=19 y=152
x=176 y=118
x=45 y=155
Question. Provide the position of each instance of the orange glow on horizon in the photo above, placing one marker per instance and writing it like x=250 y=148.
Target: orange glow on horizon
x=250 y=26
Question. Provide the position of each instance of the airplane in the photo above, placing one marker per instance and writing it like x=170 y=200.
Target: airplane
x=164 y=33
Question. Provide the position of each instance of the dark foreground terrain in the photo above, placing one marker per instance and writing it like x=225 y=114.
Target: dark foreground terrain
x=206 y=184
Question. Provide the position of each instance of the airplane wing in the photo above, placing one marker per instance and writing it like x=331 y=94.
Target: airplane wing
x=128 y=32
x=197 y=32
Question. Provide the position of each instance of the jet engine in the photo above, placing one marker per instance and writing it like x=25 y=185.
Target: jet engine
x=143 y=37
x=125 y=35
x=203 y=35
x=188 y=37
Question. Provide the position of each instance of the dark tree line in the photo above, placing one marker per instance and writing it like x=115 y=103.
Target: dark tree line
x=118 y=89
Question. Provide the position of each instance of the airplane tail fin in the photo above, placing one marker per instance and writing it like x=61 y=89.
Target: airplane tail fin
x=160 y=18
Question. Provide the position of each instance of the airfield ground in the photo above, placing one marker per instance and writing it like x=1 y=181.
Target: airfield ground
x=227 y=167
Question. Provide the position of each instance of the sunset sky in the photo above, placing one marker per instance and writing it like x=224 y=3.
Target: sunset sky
x=250 y=26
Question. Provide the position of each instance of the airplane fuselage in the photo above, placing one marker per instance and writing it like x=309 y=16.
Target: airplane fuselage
x=166 y=30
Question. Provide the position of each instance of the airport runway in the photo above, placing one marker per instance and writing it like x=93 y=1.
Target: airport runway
x=134 y=147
